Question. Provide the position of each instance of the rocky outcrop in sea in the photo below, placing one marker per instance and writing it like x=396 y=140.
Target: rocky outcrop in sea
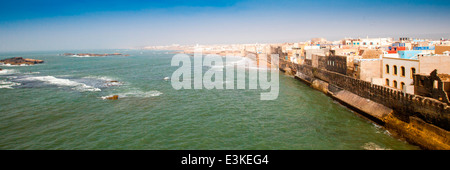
x=20 y=61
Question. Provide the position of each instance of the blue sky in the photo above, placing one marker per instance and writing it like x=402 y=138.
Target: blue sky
x=93 y=24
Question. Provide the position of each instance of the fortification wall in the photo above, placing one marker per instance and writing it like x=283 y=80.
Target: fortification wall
x=404 y=105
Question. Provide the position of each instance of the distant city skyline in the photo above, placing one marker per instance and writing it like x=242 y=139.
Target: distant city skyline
x=68 y=25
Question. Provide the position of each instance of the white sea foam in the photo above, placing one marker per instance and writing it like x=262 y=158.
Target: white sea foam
x=240 y=62
x=84 y=56
x=37 y=72
x=104 y=78
x=373 y=146
x=7 y=71
x=217 y=68
x=10 y=65
x=63 y=82
x=136 y=94
x=8 y=84
x=107 y=81
x=246 y=63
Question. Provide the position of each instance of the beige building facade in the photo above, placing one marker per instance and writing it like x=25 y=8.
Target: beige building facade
x=398 y=73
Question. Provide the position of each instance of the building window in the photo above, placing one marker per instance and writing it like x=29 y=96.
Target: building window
x=395 y=84
x=387 y=82
x=371 y=43
x=403 y=71
x=402 y=86
x=395 y=70
x=413 y=71
x=387 y=68
x=435 y=84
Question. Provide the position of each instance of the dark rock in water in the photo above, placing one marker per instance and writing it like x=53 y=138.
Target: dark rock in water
x=115 y=97
x=20 y=60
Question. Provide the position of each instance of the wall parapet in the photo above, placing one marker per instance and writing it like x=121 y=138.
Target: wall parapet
x=404 y=105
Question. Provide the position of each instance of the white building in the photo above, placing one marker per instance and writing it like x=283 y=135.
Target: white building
x=398 y=73
x=394 y=55
x=373 y=43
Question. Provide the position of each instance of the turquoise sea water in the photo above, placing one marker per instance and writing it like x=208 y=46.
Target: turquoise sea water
x=60 y=105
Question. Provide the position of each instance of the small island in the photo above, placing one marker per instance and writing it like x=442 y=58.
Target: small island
x=21 y=61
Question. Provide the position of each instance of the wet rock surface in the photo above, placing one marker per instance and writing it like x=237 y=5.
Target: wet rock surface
x=114 y=97
x=20 y=61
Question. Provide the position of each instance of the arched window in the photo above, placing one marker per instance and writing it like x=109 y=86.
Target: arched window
x=387 y=68
x=402 y=86
x=395 y=84
x=413 y=71
x=387 y=82
x=403 y=71
x=395 y=70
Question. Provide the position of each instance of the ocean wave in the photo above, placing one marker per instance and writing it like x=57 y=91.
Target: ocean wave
x=37 y=72
x=373 y=146
x=10 y=65
x=84 y=56
x=246 y=63
x=104 y=78
x=7 y=71
x=241 y=63
x=217 y=68
x=8 y=84
x=105 y=81
x=136 y=94
x=62 y=82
